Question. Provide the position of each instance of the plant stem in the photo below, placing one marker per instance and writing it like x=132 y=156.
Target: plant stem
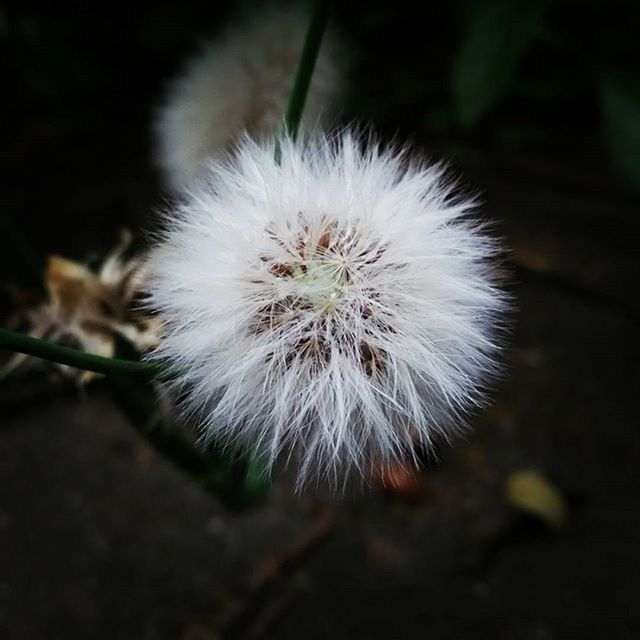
x=306 y=65
x=21 y=343
x=238 y=483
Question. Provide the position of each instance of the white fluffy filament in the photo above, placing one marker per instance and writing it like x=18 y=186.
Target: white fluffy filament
x=339 y=307
x=241 y=82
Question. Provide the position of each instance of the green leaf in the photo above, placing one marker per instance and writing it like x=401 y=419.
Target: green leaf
x=499 y=35
x=620 y=103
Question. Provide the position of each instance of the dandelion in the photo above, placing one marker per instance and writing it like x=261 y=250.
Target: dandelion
x=338 y=308
x=239 y=83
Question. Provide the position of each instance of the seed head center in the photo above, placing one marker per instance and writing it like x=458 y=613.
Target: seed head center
x=322 y=282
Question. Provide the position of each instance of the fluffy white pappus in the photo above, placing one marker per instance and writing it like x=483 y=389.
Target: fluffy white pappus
x=339 y=308
x=239 y=83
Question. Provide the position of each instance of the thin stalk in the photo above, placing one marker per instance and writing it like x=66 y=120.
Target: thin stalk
x=306 y=65
x=235 y=481
x=46 y=350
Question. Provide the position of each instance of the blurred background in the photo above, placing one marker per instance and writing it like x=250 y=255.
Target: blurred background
x=528 y=527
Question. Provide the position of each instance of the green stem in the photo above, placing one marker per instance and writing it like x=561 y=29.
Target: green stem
x=237 y=482
x=315 y=31
x=21 y=343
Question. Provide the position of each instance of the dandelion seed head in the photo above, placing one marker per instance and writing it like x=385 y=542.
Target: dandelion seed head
x=241 y=82
x=338 y=308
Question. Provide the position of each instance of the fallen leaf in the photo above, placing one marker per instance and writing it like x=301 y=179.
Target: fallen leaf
x=529 y=491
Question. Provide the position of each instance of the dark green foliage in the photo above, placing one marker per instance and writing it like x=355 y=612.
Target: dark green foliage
x=620 y=101
x=499 y=35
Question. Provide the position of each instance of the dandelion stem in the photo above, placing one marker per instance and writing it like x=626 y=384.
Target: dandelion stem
x=306 y=65
x=46 y=350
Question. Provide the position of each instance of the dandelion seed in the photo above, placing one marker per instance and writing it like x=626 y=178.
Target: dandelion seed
x=338 y=309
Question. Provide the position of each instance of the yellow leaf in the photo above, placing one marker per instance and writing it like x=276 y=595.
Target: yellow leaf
x=529 y=491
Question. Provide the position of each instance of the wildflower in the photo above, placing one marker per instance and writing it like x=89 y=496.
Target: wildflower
x=339 y=306
x=240 y=83
x=88 y=310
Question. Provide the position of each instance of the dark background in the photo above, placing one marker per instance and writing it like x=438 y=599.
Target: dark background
x=538 y=104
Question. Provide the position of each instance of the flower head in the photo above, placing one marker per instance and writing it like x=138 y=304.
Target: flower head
x=339 y=306
x=90 y=310
x=241 y=83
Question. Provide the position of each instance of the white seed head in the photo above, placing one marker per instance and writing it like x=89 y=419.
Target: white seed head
x=339 y=307
x=241 y=82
